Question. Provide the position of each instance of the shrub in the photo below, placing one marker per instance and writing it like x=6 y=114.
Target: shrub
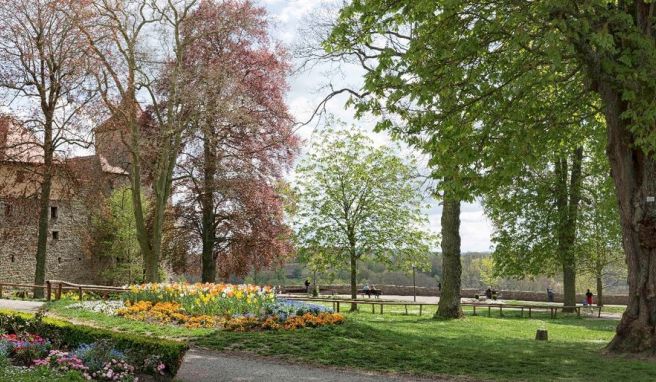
x=64 y=334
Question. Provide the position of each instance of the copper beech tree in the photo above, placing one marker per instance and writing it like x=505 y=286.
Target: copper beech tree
x=240 y=139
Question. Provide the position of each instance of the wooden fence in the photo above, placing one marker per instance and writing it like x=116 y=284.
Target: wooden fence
x=529 y=309
x=57 y=287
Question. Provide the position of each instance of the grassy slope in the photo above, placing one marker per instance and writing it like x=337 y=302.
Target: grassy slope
x=479 y=347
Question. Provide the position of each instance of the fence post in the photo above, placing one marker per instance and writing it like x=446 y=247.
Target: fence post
x=0 y=290
x=80 y=290
x=48 y=290
x=59 y=292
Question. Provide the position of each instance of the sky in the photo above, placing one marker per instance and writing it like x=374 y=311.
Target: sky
x=307 y=89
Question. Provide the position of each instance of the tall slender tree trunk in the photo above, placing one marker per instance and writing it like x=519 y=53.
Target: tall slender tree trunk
x=634 y=174
x=600 y=292
x=568 y=196
x=449 y=304
x=315 y=287
x=44 y=209
x=354 y=285
x=42 y=236
x=208 y=218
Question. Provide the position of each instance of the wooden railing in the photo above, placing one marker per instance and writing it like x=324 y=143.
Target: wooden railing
x=5 y=286
x=529 y=308
x=59 y=286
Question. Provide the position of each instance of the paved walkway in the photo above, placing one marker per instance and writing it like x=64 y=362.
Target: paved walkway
x=21 y=306
x=208 y=366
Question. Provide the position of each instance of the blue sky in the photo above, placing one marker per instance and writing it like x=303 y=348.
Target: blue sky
x=305 y=93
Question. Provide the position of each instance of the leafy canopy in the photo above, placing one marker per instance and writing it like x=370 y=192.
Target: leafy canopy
x=361 y=201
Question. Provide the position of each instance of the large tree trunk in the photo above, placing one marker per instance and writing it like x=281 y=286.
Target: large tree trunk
x=449 y=304
x=568 y=196
x=634 y=174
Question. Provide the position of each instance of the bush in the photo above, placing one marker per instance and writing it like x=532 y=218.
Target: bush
x=64 y=334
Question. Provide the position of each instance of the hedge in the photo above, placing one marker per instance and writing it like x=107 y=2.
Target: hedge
x=66 y=334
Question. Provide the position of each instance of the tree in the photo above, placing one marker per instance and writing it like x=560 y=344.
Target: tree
x=131 y=71
x=435 y=105
x=501 y=55
x=241 y=139
x=537 y=217
x=599 y=244
x=114 y=239
x=44 y=70
x=358 y=202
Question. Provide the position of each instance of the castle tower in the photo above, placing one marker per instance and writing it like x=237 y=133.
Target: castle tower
x=112 y=138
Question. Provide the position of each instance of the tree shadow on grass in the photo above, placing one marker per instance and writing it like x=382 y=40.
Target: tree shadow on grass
x=430 y=350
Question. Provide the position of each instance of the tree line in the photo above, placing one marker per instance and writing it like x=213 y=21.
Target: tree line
x=193 y=92
x=525 y=98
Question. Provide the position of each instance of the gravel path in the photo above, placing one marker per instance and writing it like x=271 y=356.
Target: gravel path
x=208 y=366
x=21 y=306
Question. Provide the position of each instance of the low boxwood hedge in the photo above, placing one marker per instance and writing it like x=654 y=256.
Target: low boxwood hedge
x=66 y=334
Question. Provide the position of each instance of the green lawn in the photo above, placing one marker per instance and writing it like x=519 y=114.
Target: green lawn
x=60 y=309
x=478 y=347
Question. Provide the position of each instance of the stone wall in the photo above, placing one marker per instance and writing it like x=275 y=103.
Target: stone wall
x=66 y=258
x=398 y=290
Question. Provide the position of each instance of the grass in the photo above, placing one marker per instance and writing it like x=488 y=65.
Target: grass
x=120 y=324
x=478 y=347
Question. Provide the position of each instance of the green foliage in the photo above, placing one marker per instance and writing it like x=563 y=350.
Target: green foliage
x=526 y=219
x=477 y=86
x=66 y=334
x=356 y=200
x=599 y=241
x=115 y=239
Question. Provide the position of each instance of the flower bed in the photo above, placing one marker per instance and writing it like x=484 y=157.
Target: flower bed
x=205 y=299
x=226 y=306
x=95 y=347
x=97 y=361
x=281 y=315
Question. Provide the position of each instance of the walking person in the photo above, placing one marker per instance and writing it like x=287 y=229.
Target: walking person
x=588 y=299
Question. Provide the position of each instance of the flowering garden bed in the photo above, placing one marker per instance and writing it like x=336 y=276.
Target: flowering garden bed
x=37 y=348
x=224 y=306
